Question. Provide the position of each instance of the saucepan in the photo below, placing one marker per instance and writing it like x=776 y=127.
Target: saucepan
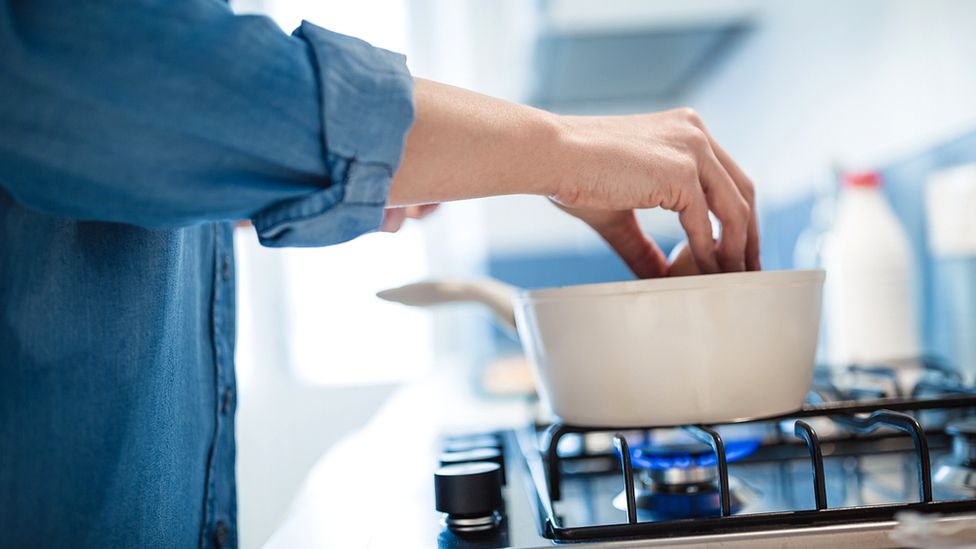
x=706 y=349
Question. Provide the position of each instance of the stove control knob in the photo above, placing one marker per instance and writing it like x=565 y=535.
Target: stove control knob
x=490 y=455
x=470 y=494
x=963 y=435
x=460 y=444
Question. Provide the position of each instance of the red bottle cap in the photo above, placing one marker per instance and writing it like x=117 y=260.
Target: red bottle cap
x=870 y=180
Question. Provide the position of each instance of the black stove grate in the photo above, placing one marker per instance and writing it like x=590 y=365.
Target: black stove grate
x=546 y=472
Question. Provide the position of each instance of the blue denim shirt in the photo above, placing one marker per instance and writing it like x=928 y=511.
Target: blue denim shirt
x=131 y=134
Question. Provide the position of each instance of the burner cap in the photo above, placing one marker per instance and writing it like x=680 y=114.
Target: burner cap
x=681 y=477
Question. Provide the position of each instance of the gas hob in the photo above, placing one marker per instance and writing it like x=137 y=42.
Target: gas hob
x=879 y=464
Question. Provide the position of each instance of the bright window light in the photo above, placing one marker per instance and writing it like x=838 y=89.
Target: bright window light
x=333 y=329
x=382 y=23
x=338 y=331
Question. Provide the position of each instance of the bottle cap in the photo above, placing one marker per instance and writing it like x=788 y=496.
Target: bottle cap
x=870 y=180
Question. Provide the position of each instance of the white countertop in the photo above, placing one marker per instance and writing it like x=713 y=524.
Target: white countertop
x=373 y=488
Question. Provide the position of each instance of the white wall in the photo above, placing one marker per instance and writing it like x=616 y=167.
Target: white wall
x=848 y=83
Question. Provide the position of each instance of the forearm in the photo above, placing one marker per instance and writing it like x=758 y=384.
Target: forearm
x=466 y=145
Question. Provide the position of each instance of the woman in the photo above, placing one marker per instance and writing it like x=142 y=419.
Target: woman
x=132 y=135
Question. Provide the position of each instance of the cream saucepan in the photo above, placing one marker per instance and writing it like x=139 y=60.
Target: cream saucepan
x=658 y=352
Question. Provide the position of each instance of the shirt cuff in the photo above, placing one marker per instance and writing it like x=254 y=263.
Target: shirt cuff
x=367 y=109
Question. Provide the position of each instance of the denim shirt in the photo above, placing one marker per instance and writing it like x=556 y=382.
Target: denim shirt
x=131 y=134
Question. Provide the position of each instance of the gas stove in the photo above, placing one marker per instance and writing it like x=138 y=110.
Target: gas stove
x=880 y=456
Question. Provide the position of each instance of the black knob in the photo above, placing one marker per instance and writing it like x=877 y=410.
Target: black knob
x=468 y=489
x=490 y=455
x=461 y=444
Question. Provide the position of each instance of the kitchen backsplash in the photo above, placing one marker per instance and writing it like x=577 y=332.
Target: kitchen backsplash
x=945 y=287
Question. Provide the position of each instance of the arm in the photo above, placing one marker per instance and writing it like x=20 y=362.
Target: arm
x=170 y=114
x=466 y=145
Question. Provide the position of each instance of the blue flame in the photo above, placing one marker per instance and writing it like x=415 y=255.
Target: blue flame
x=650 y=457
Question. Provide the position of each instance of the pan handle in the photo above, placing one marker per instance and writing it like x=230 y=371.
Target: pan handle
x=496 y=295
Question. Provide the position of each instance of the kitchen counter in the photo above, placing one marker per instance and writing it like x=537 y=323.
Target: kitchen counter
x=373 y=488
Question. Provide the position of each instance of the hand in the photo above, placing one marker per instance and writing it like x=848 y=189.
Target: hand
x=670 y=160
x=600 y=169
x=393 y=218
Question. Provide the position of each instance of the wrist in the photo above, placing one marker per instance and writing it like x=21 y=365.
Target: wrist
x=555 y=165
x=565 y=160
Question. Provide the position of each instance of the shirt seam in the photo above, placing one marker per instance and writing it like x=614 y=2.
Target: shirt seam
x=348 y=179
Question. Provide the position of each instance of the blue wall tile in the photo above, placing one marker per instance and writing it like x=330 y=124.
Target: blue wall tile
x=945 y=288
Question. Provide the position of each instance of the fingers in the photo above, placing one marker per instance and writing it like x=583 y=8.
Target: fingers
x=744 y=184
x=694 y=220
x=641 y=254
x=753 y=262
x=725 y=200
x=393 y=219
x=621 y=230
x=421 y=211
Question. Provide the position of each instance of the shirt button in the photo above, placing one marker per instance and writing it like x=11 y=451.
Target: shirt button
x=225 y=267
x=228 y=400
x=221 y=534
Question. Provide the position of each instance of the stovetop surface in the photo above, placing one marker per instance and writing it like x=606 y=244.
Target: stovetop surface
x=862 y=470
x=858 y=472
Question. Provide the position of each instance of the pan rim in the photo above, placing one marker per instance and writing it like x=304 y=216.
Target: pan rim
x=724 y=281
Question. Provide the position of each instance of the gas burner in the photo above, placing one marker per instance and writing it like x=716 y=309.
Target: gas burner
x=914 y=377
x=661 y=501
x=958 y=471
x=680 y=480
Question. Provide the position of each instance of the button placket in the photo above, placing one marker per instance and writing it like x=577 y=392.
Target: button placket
x=221 y=534
x=225 y=267
x=218 y=506
x=228 y=400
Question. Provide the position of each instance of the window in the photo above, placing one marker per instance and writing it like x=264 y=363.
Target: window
x=315 y=310
x=337 y=330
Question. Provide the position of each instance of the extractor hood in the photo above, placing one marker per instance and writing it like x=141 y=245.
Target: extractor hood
x=631 y=51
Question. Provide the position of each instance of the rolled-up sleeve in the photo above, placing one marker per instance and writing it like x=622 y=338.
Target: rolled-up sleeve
x=366 y=111
x=172 y=114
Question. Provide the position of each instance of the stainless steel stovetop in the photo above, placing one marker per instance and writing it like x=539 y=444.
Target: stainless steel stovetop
x=892 y=453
